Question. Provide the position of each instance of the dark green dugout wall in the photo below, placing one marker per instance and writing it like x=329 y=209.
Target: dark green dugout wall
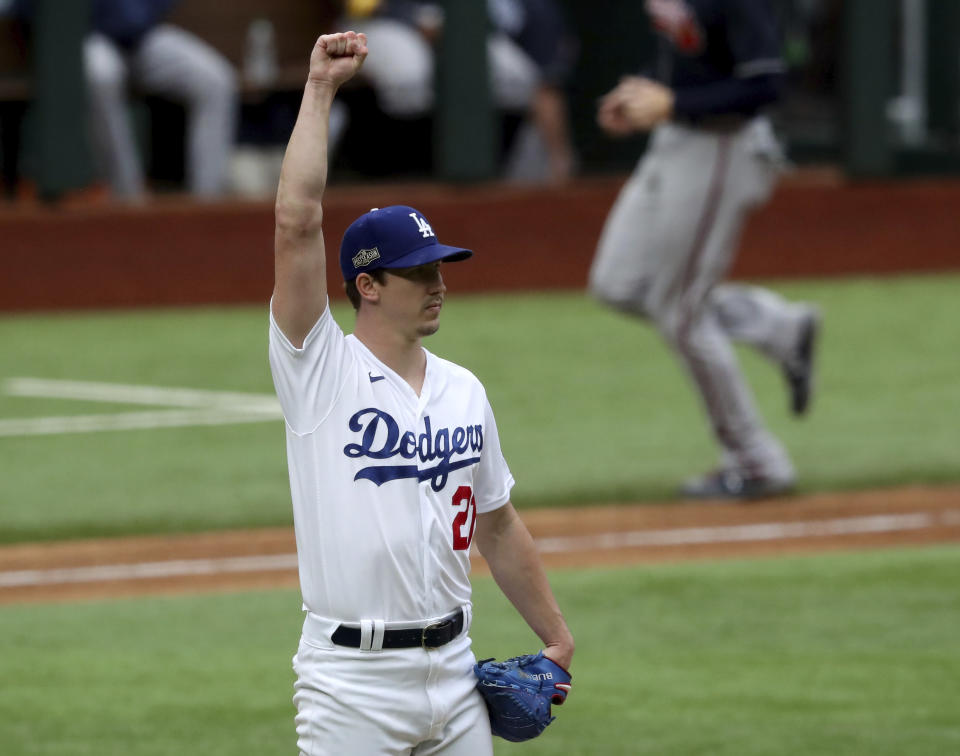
x=56 y=152
x=615 y=39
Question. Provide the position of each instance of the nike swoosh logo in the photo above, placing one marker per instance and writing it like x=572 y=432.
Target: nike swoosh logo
x=375 y=378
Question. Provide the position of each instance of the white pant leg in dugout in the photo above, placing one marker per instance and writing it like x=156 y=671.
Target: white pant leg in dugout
x=399 y=66
x=514 y=76
x=112 y=139
x=174 y=63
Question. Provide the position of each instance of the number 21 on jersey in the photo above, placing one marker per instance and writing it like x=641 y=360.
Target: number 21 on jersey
x=466 y=518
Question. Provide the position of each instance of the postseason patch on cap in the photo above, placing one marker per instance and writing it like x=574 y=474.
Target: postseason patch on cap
x=365 y=256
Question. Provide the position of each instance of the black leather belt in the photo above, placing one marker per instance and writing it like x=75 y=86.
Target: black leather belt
x=434 y=635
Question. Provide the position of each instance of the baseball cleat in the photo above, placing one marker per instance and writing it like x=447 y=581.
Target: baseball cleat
x=730 y=484
x=798 y=370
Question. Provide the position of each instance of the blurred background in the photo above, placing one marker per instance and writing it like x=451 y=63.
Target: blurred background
x=160 y=126
x=875 y=91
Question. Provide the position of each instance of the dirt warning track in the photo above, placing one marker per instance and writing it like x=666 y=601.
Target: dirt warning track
x=569 y=537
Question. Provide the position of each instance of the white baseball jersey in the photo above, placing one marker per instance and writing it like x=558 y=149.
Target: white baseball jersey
x=386 y=484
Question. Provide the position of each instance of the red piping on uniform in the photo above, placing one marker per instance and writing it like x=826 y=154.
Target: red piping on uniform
x=689 y=313
x=707 y=218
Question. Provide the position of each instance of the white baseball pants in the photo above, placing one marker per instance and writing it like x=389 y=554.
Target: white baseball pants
x=391 y=702
x=173 y=63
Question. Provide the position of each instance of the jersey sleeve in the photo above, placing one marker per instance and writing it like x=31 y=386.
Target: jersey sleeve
x=754 y=38
x=493 y=481
x=753 y=73
x=308 y=380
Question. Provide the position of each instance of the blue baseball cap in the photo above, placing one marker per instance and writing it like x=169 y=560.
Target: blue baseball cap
x=392 y=237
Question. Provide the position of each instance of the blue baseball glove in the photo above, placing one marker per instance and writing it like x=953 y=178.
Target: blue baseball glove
x=519 y=693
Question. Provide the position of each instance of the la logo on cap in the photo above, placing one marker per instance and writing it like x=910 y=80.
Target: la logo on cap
x=422 y=226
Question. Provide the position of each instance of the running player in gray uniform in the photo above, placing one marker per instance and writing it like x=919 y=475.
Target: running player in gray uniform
x=673 y=231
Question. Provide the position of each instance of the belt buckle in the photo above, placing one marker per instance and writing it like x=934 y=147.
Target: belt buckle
x=433 y=626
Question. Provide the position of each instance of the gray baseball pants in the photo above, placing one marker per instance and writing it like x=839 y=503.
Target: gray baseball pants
x=668 y=242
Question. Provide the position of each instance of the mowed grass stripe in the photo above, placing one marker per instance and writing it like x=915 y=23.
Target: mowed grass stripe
x=590 y=405
x=836 y=655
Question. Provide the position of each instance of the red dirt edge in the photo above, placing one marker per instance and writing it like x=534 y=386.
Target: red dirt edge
x=569 y=538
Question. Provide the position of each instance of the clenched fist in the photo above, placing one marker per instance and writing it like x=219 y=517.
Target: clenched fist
x=337 y=57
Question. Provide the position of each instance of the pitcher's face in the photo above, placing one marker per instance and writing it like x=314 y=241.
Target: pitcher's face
x=413 y=297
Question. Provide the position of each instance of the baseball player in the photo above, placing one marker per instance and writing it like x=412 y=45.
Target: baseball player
x=395 y=470
x=672 y=233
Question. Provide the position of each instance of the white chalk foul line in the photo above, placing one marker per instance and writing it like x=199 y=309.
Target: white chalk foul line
x=758 y=532
x=42 y=426
x=763 y=531
x=193 y=407
x=122 y=393
x=148 y=570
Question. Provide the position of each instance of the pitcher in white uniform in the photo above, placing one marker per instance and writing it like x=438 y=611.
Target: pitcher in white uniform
x=395 y=468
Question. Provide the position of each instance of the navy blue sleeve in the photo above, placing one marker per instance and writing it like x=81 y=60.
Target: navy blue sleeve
x=754 y=38
x=734 y=96
x=755 y=74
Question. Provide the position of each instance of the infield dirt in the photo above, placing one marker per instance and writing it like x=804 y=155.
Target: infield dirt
x=628 y=533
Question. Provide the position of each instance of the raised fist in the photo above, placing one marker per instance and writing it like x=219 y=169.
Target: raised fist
x=337 y=57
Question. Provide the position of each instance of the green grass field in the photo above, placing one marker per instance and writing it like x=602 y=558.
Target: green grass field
x=839 y=654
x=842 y=654
x=591 y=406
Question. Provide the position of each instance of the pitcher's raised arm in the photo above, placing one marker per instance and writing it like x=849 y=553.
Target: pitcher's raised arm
x=300 y=285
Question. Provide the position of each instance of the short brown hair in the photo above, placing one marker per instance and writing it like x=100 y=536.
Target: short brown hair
x=350 y=287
